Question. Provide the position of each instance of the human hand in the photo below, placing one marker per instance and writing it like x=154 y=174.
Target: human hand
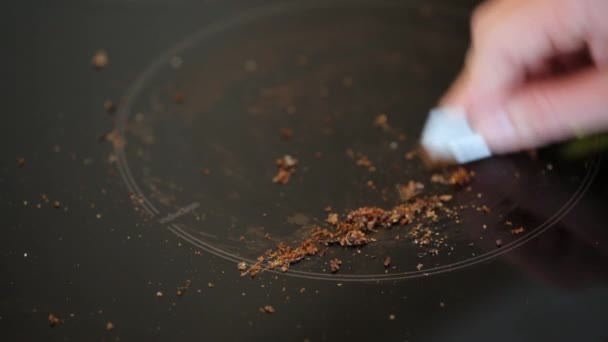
x=536 y=73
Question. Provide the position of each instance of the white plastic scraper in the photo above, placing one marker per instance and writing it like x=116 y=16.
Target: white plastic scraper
x=447 y=136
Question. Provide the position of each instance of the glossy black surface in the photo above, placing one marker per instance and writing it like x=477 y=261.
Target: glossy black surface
x=325 y=71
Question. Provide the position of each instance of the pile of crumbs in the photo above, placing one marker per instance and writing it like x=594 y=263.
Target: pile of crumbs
x=353 y=229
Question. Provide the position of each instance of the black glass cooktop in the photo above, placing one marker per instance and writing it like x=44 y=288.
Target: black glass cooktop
x=135 y=192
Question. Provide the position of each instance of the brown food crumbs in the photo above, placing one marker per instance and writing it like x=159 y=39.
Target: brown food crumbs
x=286 y=133
x=508 y=223
x=484 y=209
x=334 y=265
x=302 y=290
x=355 y=230
x=21 y=162
x=409 y=191
x=109 y=326
x=159 y=294
x=387 y=261
x=109 y=106
x=517 y=230
x=241 y=238
x=179 y=98
x=242 y=266
x=445 y=198
x=318 y=155
x=287 y=167
x=54 y=320
x=44 y=197
x=100 y=59
x=328 y=209
x=411 y=154
x=363 y=161
x=392 y=317
x=115 y=139
x=56 y=204
x=459 y=177
x=210 y=285
x=419 y=267
x=267 y=309
x=206 y=171
x=381 y=121
x=333 y=219
x=182 y=289
x=498 y=243
x=370 y=184
x=267 y=236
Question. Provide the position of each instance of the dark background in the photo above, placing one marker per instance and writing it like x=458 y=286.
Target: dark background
x=93 y=261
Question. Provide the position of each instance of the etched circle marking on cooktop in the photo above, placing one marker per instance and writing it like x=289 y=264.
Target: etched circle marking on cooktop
x=325 y=72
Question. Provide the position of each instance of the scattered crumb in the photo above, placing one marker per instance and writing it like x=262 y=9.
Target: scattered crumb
x=56 y=204
x=182 y=289
x=21 y=162
x=206 y=171
x=508 y=223
x=445 y=198
x=419 y=267
x=381 y=121
x=387 y=261
x=109 y=326
x=100 y=59
x=484 y=209
x=286 y=133
x=363 y=161
x=115 y=139
x=54 y=320
x=242 y=266
x=269 y=309
x=241 y=238
x=328 y=209
x=460 y=176
x=498 y=243
x=44 y=197
x=370 y=184
x=517 y=230
x=411 y=155
x=334 y=264
x=302 y=290
x=210 y=285
x=442 y=304
x=392 y=317
x=410 y=190
x=109 y=106
x=179 y=97
x=159 y=294
x=287 y=167
x=332 y=219
x=318 y=155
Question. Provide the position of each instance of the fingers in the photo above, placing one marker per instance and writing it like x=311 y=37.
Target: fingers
x=547 y=111
x=512 y=37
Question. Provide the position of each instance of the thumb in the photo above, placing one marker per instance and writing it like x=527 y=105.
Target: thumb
x=546 y=112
